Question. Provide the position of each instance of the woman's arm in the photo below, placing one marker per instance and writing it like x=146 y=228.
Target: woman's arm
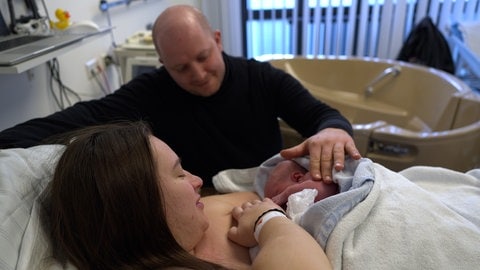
x=283 y=244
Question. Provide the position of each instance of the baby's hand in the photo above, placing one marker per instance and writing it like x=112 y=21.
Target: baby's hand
x=246 y=216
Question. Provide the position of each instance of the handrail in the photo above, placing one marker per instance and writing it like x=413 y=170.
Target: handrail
x=390 y=71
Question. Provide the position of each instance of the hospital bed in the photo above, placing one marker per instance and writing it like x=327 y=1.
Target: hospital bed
x=422 y=217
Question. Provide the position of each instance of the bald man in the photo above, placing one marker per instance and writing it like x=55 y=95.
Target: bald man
x=214 y=110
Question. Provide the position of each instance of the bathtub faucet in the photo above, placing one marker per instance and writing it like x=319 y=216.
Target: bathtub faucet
x=390 y=72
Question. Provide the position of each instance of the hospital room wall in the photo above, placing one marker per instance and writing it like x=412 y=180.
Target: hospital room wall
x=27 y=95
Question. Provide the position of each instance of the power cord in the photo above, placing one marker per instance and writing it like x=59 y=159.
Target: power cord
x=99 y=74
x=62 y=98
x=110 y=61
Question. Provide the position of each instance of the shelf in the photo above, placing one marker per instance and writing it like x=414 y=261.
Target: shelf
x=31 y=63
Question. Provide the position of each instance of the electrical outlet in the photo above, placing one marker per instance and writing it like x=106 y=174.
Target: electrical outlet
x=91 y=67
x=107 y=60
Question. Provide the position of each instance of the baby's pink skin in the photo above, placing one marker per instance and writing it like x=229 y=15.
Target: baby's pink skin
x=288 y=177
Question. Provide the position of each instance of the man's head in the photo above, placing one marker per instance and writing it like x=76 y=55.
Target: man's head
x=189 y=49
x=288 y=177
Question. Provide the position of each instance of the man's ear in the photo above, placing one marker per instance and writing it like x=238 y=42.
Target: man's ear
x=217 y=36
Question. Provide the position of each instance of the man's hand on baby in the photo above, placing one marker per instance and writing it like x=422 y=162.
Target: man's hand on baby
x=246 y=216
x=326 y=148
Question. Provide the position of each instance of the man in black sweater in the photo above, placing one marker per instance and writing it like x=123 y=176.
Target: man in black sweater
x=215 y=111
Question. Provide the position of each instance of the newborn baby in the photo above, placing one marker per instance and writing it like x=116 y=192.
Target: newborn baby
x=288 y=177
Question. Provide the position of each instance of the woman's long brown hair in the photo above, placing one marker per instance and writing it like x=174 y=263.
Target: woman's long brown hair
x=104 y=208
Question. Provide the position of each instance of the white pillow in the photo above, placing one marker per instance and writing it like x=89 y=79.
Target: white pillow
x=24 y=173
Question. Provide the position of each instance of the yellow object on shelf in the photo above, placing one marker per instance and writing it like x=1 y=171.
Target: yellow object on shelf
x=63 y=17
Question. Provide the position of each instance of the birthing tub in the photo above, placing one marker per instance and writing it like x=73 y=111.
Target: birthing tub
x=402 y=114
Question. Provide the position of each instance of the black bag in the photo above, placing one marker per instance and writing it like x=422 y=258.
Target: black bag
x=426 y=45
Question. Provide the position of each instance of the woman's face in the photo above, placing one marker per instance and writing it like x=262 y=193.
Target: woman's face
x=288 y=177
x=184 y=211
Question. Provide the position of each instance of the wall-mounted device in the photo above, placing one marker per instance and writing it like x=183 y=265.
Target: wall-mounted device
x=137 y=65
x=137 y=55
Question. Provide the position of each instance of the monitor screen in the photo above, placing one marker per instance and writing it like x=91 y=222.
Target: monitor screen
x=138 y=65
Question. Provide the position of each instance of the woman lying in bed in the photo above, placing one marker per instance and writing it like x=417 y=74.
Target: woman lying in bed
x=120 y=199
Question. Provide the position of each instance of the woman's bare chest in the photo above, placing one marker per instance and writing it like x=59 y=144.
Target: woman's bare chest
x=215 y=245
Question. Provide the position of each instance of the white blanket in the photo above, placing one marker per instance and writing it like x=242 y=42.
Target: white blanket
x=402 y=224
x=420 y=218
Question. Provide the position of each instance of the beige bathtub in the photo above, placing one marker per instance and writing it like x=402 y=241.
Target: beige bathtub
x=402 y=114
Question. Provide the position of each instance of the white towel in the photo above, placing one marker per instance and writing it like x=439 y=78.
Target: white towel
x=234 y=180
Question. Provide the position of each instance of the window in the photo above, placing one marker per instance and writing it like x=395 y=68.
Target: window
x=294 y=27
x=372 y=28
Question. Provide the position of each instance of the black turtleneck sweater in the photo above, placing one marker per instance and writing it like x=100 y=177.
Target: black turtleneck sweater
x=235 y=128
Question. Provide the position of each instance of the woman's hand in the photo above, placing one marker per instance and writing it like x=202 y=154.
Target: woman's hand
x=246 y=216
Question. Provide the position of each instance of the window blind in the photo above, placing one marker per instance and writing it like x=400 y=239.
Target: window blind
x=372 y=28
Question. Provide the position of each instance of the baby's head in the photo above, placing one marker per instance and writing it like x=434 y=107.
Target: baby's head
x=288 y=177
